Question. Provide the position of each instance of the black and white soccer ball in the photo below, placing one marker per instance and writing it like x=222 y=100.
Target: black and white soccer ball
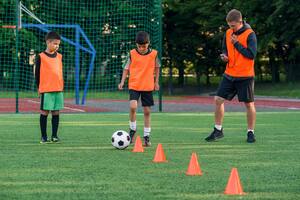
x=120 y=139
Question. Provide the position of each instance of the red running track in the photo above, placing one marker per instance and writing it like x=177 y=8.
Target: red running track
x=31 y=105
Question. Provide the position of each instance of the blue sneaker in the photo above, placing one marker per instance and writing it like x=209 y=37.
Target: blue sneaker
x=216 y=134
x=44 y=140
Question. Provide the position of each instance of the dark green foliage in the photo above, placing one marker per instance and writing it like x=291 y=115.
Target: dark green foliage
x=109 y=25
x=193 y=31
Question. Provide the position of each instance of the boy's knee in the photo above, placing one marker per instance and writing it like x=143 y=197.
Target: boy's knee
x=55 y=112
x=45 y=112
x=147 y=111
x=133 y=108
x=133 y=104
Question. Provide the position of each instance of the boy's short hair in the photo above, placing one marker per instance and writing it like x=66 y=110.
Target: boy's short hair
x=142 y=37
x=234 y=16
x=52 y=36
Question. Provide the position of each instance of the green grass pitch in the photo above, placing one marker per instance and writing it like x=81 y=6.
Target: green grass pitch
x=85 y=165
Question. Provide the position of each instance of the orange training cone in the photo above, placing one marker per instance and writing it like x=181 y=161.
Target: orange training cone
x=138 y=147
x=159 y=155
x=194 y=167
x=234 y=186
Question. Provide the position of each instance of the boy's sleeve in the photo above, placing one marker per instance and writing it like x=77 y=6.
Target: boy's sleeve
x=157 y=62
x=37 y=70
x=127 y=62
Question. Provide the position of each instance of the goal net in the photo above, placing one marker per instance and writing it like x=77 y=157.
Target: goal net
x=96 y=38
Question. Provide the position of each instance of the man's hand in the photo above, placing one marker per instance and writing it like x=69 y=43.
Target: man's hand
x=233 y=38
x=224 y=57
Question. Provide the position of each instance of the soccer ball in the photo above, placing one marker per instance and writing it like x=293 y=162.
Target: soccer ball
x=120 y=139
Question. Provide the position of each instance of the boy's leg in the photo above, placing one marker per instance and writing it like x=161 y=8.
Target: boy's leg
x=55 y=124
x=133 y=104
x=132 y=113
x=147 y=126
x=43 y=125
x=147 y=120
x=58 y=104
x=147 y=102
x=132 y=119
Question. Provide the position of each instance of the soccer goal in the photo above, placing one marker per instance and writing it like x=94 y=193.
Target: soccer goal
x=96 y=37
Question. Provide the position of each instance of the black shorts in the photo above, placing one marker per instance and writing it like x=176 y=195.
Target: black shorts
x=146 y=97
x=243 y=87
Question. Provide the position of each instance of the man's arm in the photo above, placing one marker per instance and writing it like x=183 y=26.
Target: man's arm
x=224 y=55
x=251 y=51
x=224 y=46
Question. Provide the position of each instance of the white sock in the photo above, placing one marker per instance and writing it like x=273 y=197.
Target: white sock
x=218 y=127
x=132 y=125
x=251 y=130
x=147 y=131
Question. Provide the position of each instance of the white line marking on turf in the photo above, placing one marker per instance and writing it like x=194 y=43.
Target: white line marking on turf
x=293 y=108
x=32 y=101
x=75 y=109
x=65 y=107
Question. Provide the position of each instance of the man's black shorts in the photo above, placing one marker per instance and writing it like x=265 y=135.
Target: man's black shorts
x=146 y=97
x=243 y=87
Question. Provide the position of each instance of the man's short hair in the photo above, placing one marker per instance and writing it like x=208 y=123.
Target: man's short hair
x=234 y=16
x=52 y=36
x=142 y=37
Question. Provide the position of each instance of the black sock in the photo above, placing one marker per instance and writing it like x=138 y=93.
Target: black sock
x=43 y=125
x=55 y=122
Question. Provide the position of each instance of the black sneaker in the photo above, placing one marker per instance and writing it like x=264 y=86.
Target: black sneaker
x=131 y=134
x=147 y=142
x=250 y=137
x=54 y=139
x=216 y=134
x=44 y=140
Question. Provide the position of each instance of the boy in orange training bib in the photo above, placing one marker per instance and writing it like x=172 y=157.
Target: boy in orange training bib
x=143 y=67
x=50 y=84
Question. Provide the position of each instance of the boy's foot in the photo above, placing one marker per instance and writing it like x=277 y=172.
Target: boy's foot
x=131 y=134
x=55 y=139
x=44 y=140
x=216 y=134
x=147 y=142
x=250 y=137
